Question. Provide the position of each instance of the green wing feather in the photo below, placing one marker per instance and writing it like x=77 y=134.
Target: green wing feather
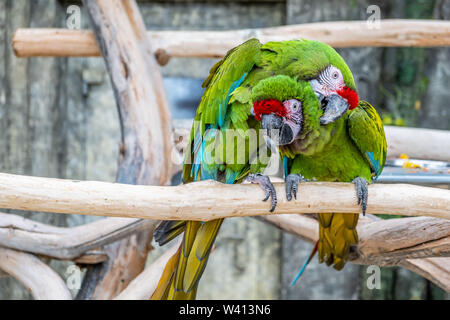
x=222 y=87
x=225 y=104
x=366 y=130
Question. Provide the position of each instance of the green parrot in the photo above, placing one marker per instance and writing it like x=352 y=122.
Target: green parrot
x=349 y=148
x=235 y=100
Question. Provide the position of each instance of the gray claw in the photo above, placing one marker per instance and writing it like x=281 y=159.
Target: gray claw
x=292 y=181
x=362 y=193
x=266 y=185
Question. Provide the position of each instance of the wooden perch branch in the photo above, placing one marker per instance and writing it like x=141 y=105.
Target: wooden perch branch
x=145 y=125
x=410 y=243
x=381 y=242
x=209 y=200
x=215 y=44
x=428 y=144
x=437 y=270
x=38 y=278
x=23 y=234
x=370 y=228
x=143 y=286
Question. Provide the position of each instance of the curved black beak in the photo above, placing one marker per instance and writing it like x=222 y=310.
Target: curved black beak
x=335 y=107
x=280 y=131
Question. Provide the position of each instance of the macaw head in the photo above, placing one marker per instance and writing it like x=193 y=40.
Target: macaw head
x=285 y=116
x=334 y=95
x=282 y=104
x=326 y=71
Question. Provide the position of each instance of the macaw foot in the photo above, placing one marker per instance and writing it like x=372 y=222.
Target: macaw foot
x=266 y=185
x=292 y=181
x=362 y=192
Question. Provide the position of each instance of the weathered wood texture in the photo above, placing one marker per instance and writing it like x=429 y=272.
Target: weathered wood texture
x=30 y=121
x=66 y=243
x=383 y=242
x=418 y=143
x=143 y=286
x=392 y=242
x=38 y=278
x=215 y=44
x=145 y=126
x=307 y=228
x=188 y=201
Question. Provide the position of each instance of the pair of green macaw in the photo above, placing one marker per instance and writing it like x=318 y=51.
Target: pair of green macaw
x=303 y=96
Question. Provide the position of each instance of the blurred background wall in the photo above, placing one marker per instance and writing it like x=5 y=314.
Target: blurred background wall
x=58 y=119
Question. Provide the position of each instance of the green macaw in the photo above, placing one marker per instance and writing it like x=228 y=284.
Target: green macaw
x=232 y=100
x=349 y=148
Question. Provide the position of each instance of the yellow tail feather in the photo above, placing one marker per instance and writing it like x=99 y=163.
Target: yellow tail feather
x=337 y=232
x=183 y=271
x=167 y=278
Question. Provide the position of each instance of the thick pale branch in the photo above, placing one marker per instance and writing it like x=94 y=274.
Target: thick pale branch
x=381 y=242
x=420 y=244
x=209 y=200
x=145 y=125
x=39 y=279
x=428 y=144
x=387 y=242
x=67 y=243
x=436 y=270
x=398 y=236
x=213 y=44
x=143 y=286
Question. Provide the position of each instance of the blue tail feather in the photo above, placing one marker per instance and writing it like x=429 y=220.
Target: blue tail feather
x=303 y=268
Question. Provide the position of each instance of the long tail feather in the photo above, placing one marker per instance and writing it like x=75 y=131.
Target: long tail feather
x=303 y=268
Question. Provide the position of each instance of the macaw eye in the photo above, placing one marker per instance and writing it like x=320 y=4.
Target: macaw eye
x=335 y=75
x=295 y=106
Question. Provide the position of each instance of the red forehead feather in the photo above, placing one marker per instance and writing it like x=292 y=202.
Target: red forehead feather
x=267 y=107
x=350 y=95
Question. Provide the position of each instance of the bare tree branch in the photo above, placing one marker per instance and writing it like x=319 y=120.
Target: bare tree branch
x=73 y=243
x=405 y=242
x=214 y=44
x=143 y=286
x=38 y=278
x=209 y=200
x=146 y=130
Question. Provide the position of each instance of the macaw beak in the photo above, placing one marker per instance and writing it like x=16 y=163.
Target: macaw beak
x=272 y=124
x=279 y=129
x=335 y=106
